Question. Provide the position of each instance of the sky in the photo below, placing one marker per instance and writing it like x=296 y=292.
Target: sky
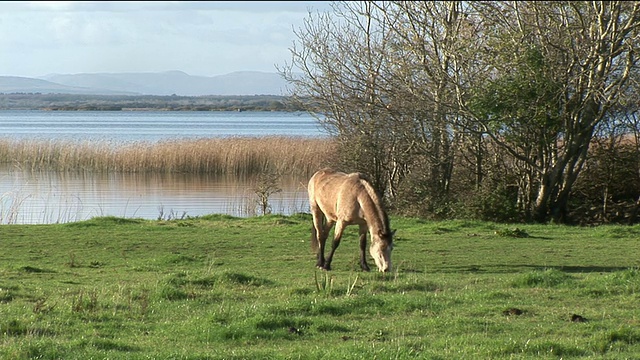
x=203 y=38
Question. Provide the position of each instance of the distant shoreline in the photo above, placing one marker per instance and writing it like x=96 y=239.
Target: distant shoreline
x=72 y=102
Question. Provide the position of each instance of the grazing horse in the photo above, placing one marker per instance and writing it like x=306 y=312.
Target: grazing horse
x=340 y=199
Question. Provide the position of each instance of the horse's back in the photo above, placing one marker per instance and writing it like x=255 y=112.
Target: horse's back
x=326 y=182
x=334 y=192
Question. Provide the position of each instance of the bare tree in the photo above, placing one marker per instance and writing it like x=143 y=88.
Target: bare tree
x=380 y=72
x=340 y=56
x=558 y=67
x=425 y=38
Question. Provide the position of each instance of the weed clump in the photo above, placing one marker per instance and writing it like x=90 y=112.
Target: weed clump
x=542 y=278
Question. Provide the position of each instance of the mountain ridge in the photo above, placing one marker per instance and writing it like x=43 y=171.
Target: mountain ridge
x=173 y=82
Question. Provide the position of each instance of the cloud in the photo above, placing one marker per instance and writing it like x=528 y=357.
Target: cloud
x=126 y=6
x=199 y=37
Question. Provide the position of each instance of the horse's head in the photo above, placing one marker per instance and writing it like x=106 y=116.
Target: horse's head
x=380 y=249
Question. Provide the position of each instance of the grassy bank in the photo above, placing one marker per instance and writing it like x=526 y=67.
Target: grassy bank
x=242 y=156
x=218 y=287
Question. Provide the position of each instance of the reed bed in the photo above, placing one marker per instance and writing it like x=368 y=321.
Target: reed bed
x=237 y=156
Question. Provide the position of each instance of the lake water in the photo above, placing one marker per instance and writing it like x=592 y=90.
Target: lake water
x=120 y=126
x=44 y=197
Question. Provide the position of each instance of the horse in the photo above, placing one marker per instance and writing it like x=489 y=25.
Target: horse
x=341 y=199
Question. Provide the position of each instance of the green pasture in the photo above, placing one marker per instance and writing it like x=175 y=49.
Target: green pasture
x=218 y=287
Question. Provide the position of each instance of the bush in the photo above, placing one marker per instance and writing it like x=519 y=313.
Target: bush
x=497 y=204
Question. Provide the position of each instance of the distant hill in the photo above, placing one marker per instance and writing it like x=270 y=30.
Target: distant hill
x=16 y=84
x=242 y=83
x=172 y=82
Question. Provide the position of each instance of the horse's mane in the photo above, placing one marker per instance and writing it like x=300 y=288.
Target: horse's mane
x=374 y=201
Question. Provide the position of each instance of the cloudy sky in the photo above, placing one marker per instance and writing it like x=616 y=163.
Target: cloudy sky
x=204 y=38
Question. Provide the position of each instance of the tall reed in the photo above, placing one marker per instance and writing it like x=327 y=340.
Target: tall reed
x=237 y=156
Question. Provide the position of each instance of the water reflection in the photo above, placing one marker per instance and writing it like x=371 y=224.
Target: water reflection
x=45 y=197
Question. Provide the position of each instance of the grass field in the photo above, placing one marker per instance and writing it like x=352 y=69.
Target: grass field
x=218 y=287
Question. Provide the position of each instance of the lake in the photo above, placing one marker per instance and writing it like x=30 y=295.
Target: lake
x=44 y=197
x=123 y=126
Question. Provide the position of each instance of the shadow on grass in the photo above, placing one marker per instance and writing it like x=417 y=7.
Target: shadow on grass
x=512 y=268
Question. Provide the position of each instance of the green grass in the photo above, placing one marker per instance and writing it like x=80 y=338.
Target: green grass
x=218 y=287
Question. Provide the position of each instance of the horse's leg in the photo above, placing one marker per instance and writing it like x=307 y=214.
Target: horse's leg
x=321 y=229
x=322 y=262
x=337 y=235
x=363 y=248
x=318 y=236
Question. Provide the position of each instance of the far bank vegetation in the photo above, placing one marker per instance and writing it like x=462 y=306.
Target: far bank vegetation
x=74 y=102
